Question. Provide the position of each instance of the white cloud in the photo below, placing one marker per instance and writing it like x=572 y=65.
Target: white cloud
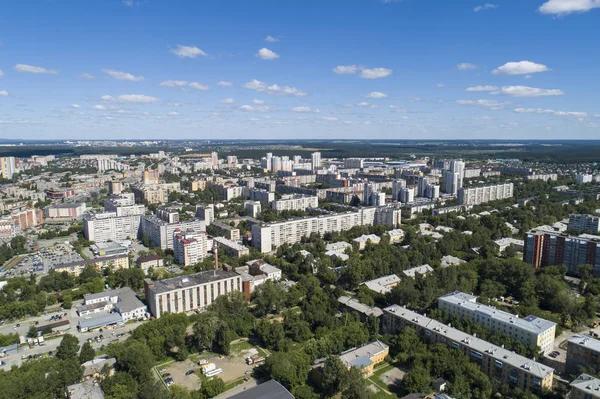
x=305 y=110
x=128 y=3
x=525 y=91
x=492 y=104
x=187 y=51
x=258 y=102
x=119 y=75
x=376 y=94
x=173 y=83
x=329 y=118
x=345 y=69
x=482 y=88
x=486 y=6
x=465 y=66
x=271 y=39
x=274 y=89
x=228 y=101
x=375 y=73
x=224 y=83
x=3 y=93
x=34 y=69
x=198 y=86
x=76 y=106
x=173 y=113
x=267 y=54
x=87 y=76
x=130 y=98
x=520 y=68
x=364 y=104
x=249 y=108
x=440 y=85
x=551 y=111
x=415 y=99
x=564 y=7
x=99 y=107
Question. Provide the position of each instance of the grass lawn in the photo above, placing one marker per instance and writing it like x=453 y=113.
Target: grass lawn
x=13 y=262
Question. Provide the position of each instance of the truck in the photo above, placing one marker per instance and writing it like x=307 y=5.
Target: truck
x=40 y=340
x=213 y=372
x=255 y=359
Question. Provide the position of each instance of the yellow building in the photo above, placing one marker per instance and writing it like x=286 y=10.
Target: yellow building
x=113 y=263
x=366 y=357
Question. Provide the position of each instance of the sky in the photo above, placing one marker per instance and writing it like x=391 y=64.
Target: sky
x=300 y=69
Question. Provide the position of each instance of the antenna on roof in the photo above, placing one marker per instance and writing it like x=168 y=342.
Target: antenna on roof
x=216 y=254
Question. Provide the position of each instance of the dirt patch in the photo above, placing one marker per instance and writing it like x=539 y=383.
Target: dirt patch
x=178 y=370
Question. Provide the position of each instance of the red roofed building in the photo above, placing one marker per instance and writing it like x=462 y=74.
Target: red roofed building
x=189 y=246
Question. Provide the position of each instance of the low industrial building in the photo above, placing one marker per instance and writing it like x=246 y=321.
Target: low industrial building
x=102 y=321
x=122 y=300
x=268 y=390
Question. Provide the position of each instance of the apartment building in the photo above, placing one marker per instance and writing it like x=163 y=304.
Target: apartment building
x=296 y=202
x=123 y=204
x=267 y=236
x=113 y=263
x=206 y=213
x=584 y=222
x=7 y=229
x=543 y=176
x=189 y=293
x=585 y=387
x=498 y=363
x=546 y=248
x=65 y=211
x=583 y=178
x=229 y=232
x=160 y=232
x=231 y=248
x=107 y=226
x=530 y=330
x=8 y=167
x=582 y=351
x=189 y=246
x=471 y=173
x=155 y=193
x=27 y=218
x=253 y=208
x=366 y=357
x=483 y=194
x=258 y=194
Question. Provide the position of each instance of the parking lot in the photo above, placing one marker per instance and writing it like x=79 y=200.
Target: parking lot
x=42 y=260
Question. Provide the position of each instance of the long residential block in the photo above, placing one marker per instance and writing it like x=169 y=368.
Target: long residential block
x=498 y=363
x=483 y=194
x=530 y=330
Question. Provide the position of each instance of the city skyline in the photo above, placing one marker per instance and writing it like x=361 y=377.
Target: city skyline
x=364 y=69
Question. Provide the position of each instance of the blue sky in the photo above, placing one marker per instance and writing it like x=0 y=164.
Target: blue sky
x=206 y=69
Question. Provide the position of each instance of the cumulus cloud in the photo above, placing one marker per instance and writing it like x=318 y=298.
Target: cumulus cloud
x=267 y=54
x=305 y=110
x=329 y=118
x=271 y=39
x=364 y=104
x=228 y=101
x=525 y=91
x=465 y=66
x=520 y=68
x=34 y=69
x=273 y=89
x=491 y=104
x=345 y=69
x=482 y=88
x=375 y=73
x=577 y=114
x=187 y=51
x=249 y=108
x=173 y=83
x=130 y=98
x=172 y=113
x=76 y=106
x=99 y=107
x=440 y=85
x=224 y=83
x=3 y=93
x=365 y=73
x=119 y=75
x=564 y=7
x=486 y=6
x=376 y=94
x=87 y=76
x=198 y=86
x=258 y=102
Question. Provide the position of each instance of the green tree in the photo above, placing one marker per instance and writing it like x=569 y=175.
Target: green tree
x=87 y=353
x=33 y=332
x=212 y=387
x=335 y=376
x=268 y=297
x=67 y=301
x=357 y=387
x=68 y=348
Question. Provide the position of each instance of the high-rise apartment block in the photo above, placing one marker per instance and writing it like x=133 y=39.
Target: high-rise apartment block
x=267 y=236
x=530 y=330
x=107 y=226
x=544 y=248
x=482 y=194
x=8 y=167
x=584 y=223
x=151 y=177
x=160 y=231
x=206 y=213
x=189 y=246
x=316 y=160
x=297 y=202
x=583 y=178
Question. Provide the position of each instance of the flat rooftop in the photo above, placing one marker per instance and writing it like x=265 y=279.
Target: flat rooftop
x=191 y=280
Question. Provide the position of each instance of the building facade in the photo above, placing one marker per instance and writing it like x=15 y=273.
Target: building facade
x=189 y=246
x=584 y=222
x=483 y=194
x=295 y=203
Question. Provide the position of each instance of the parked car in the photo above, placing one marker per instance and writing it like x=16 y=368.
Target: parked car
x=189 y=372
x=166 y=375
x=162 y=370
x=554 y=354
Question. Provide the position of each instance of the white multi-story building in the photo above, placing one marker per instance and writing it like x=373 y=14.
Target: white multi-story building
x=267 y=236
x=8 y=167
x=584 y=222
x=471 y=173
x=316 y=160
x=544 y=177
x=482 y=194
x=107 y=226
x=397 y=186
x=124 y=205
x=189 y=246
x=206 y=213
x=583 y=178
x=354 y=163
x=65 y=211
x=253 y=208
x=191 y=292
x=407 y=195
x=296 y=202
x=160 y=232
x=123 y=300
x=530 y=330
